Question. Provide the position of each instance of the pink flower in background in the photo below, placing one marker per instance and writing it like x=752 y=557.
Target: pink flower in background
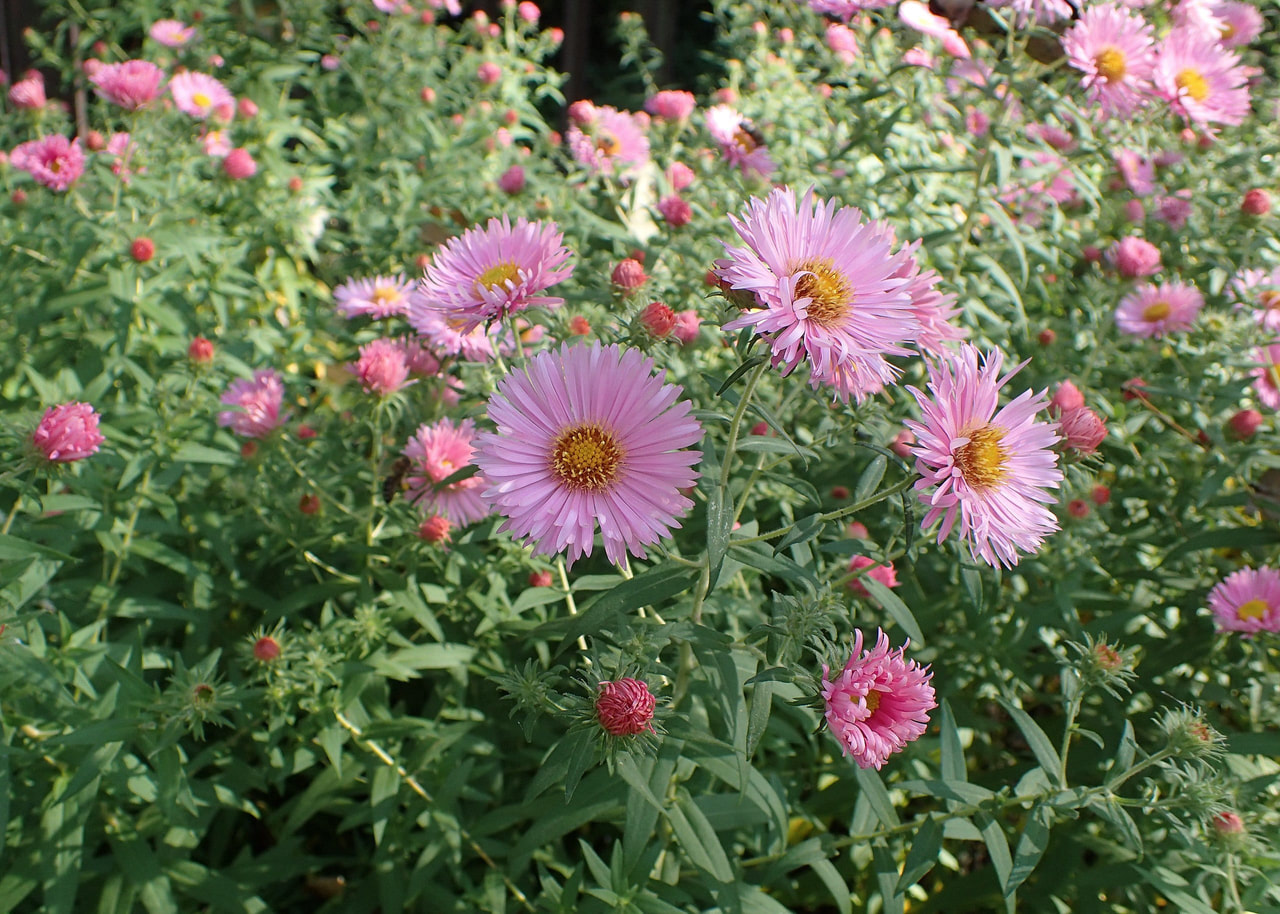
x=53 y=161
x=847 y=9
x=1066 y=398
x=492 y=273
x=68 y=432
x=382 y=367
x=1260 y=288
x=28 y=93
x=1042 y=12
x=511 y=181
x=878 y=703
x=1202 y=81
x=842 y=42
x=829 y=287
x=671 y=104
x=171 y=33
x=611 y=142
x=1138 y=172
x=131 y=85
x=1247 y=600
x=445 y=335
x=1114 y=49
x=933 y=308
x=378 y=297
x=200 y=95
x=437 y=452
x=675 y=211
x=885 y=574
x=1267 y=374
x=625 y=707
x=1157 y=310
x=679 y=175
x=238 y=164
x=918 y=57
x=984 y=467
x=686 y=328
x=740 y=144
x=1134 y=257
x=1241 y=22
x=1175 y=209
x=916 y=15
x=255 y=405
x=216 y=144
x=587 y=436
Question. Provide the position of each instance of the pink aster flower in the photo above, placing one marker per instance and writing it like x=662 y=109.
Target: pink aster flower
x=740 y=143
x=671 y=104
x=932 y=308
x=255 y=405
x=1202 y=81
x=1042 y=12
x=611 y=142
x=27 y=94
x=68 y=432
x=830 y=289
x=885 y=574
x=1241 y=22
x=1247 y=600
x=437 y=452
x=1114 y=49
x=847 y=9
x=200 y=95
x=842 y=41
x=1156 y=310
x=382 y=367
x=491 y=273
x=446 y=335
x=1138 y=172
x=1267 y=373
x=625 y=707
x=988 y=470
x=587 y=435
x=53 y=161
x=131 y=85
x=379 y=297
x=1134 y=257
x=878 y=703
x=1260 y=289
x=171 y=33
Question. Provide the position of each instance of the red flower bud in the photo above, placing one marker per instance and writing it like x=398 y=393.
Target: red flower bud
x=625 y=707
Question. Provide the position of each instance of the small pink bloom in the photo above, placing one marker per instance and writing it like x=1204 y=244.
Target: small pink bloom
x=28 y=93
x=671 y=105
x=625 y=707
x=1134 y=257
x=842 y=42
x=1256 y=202
x=68 y=432
x=171 y=33
x=131 y=85
x=1157 y=310
x=239 y=164
x=488 y=73
x=381 y=368
x=200 y=351
x=686 y=327
x=675 y=210
x=200 y=95
x=529 y=11
x=512 y=180
x=255 y=404
x=1082 y=430
x=437 y=452
x=330 y=62
x=142 y=249
x=1247 y=601
x=539 y=579
x=1228 y=823
x=885 y=574
x=247 y=108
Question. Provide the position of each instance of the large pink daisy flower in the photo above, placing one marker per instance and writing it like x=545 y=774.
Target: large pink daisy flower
x=131 y=84
x=1114 y=49
x=830 y=287
x=437 y=452
x=255 y=405
x=878 y=703
x=609 y=142
x=1202 y=81
x=1247 y=600
x=988 y=470
x=1157 y=310
x=739 y=142
x=381 y=296
x=587 y=435
x=491 y=273
x=1267 y=375
x=53 y=161
x=200 y=96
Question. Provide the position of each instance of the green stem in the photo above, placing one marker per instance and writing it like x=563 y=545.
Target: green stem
x=726 y=464
x=835 y=515
x=1073 y=708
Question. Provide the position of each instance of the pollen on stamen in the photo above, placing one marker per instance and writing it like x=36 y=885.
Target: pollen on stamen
x=983 y=459
x=498 y=276
x=586 y=458
x=829 y=291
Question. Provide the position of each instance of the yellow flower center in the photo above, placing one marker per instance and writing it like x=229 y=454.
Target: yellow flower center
x=1228 y=31
x=982 y=460
x=202 y=100
x=607 y=143
x=1195 y=84
x=586 y=458
x=1254 y=609
x=1111 y=64
x=1156 y=311
x=386 y=295
x=873 y=701
x=1273 y=373
x=498 y=276
x=1269 y=300
x=829 y=291
x=56 y=166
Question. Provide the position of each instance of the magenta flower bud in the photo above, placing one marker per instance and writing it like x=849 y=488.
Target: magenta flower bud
x=382 y=367
x=68 y=432
x=675 y=211
x=247 y=108
x=885 y=574
x=625 y=707
x=658 y=320
x=512 y=180
x=629 y=275
x=1067 y=397
x=1082 y=430
x=488 y=73
x=239 y=164
x=671 y=105
x=1244 y=424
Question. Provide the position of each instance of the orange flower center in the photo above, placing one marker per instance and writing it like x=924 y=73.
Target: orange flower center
x=1194 y=83
x=202 y=100
x=1254 y=609
x=498 y=276
x=1228 y=31
x=1269 y=300
x=1156 y=311
x=586 y=458
x=607 y=143
x=1111 y=64
x=56 y=166
x=873 y=701
x=982 y=461
x=386 y=295
x=829 y=291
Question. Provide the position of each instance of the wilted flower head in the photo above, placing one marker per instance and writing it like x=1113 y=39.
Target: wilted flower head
x=131 y=84
x=1247 y=600
x=625 y=707
x=255 y=404
x=878 y=703
x=68 y=432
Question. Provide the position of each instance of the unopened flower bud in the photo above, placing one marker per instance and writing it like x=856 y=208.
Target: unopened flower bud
x=625 y=707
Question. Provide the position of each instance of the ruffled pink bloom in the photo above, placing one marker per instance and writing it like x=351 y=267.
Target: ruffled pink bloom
x=171 y=33
x=587 y=436
x=675 y=211
x=200 y=95
x=679 y=176
x=1247 y=600
x=1114 y=49
x=988 y=470
x=740 y=144
x=611 y=142
x=131 y=85
x=1241 y=22
x=1202 y=81
x=885 y=574
x=379 y=297
x=686 y=328
x=255 y=405
x=492 y=273
x=625 y=707
x=878 y=703
x=829 y=289
x=53 y=161
x=1267 y=375
x=1134 y=257
x=437 y=452
x=842 y=42
x=382 y=367
x=671 y=104
x=28 y=93
x=1149 y=310
x=68 y=432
